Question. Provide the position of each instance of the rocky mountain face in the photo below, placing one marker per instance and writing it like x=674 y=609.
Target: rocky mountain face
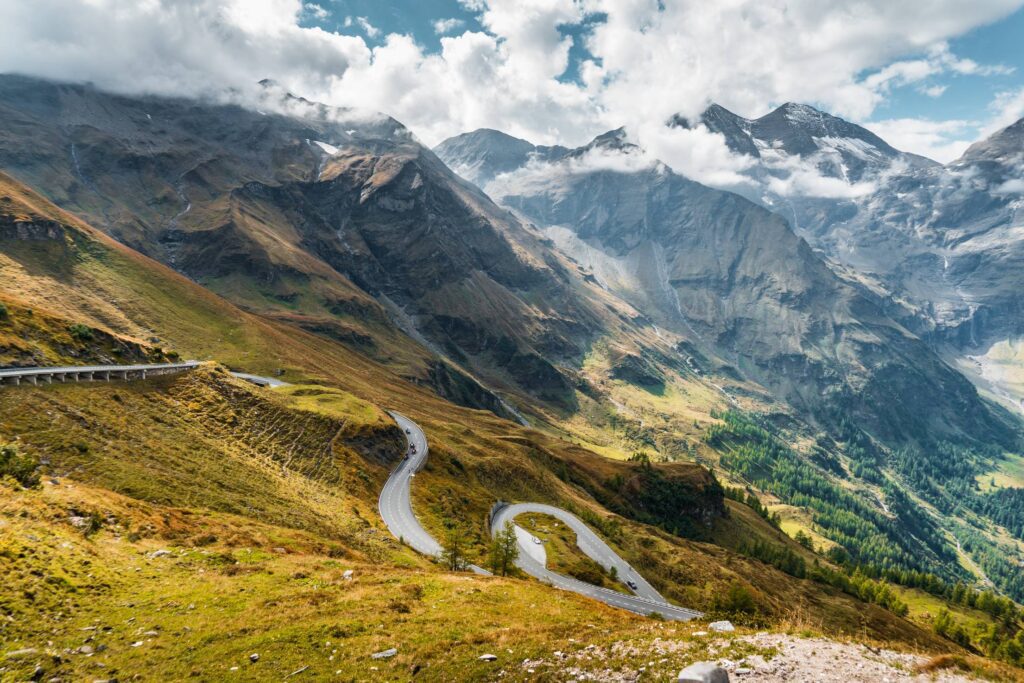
x=836 y=147
x=732 y=274
x=340 y=222
x=336 y=220
x=941 y=244
x=807 y=165
x=951 y=241
x=482 y=154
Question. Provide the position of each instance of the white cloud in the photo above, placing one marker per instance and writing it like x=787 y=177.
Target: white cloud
x=747 y=55
x=532 y=45
x=938 y=61
x=315 y=11
x=939 y=140
x=1007 y=108
x=933 y=90
x=368 y=28
x=540 y=176
x=805 y=181
x=181 y=47
x=694 y=152
x=444 y=26
x=1014 y=186
x=650 y=59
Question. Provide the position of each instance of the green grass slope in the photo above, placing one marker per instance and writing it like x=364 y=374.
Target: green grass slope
x=264 y=498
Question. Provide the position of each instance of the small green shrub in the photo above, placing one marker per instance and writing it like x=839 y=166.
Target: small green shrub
x=587 y=570
x=21 y=467
x=93 y=524
x=736 y=600
x=4 y=313
x=80 y=332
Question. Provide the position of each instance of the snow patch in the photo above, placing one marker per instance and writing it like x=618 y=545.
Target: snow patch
x=327 y=147
x=858 y=148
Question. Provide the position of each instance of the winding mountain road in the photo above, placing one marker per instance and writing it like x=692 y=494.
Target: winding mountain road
x=395 y=506
x=587 y=541
x=395 y=502
x=646 y=600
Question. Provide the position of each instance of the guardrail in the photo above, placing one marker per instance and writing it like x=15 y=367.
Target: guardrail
x=495 y=509
x=90 y=373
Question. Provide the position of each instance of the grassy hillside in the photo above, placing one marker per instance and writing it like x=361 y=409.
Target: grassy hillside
x=53 y=262
x=111 y=604
x=312 y=460
x=264 y=498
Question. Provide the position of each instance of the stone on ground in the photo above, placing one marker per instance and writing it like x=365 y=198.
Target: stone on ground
x=703 y=672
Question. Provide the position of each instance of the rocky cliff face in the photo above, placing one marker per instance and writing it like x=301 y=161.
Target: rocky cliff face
x=323 y=215
x=943 y=238
x=481 y=155
x=943 y=244
x=734 y=275
x=313 y=213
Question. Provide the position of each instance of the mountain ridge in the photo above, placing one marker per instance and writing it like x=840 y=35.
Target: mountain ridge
x=933 y=244
x=609 y=218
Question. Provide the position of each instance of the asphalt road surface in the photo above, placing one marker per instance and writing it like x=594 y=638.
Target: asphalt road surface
x=80 y=369
x=259 y=380
x=395 y=503
x=395 y=506
x=646 y=599
x=587 y=541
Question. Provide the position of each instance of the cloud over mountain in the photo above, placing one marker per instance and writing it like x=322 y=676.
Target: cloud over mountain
x=640 y=61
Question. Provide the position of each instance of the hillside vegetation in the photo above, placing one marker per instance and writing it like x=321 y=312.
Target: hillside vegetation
x=185 y=522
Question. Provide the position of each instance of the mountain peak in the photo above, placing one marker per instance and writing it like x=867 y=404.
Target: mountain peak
x=488 y=134
x=1005 y=146
x=799 y=112
x=482 y=154
x=802 y=129
x=616 y=138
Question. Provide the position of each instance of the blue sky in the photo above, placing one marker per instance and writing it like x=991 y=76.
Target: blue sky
x=967 y=97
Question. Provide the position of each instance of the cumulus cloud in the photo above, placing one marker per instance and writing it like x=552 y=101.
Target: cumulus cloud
x=695 y=152
x=939 y=140
x=646 y=60
x=316 y=11
x=181 y=47
x=749 y=55
x=1007 y=108
x=443 y=26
